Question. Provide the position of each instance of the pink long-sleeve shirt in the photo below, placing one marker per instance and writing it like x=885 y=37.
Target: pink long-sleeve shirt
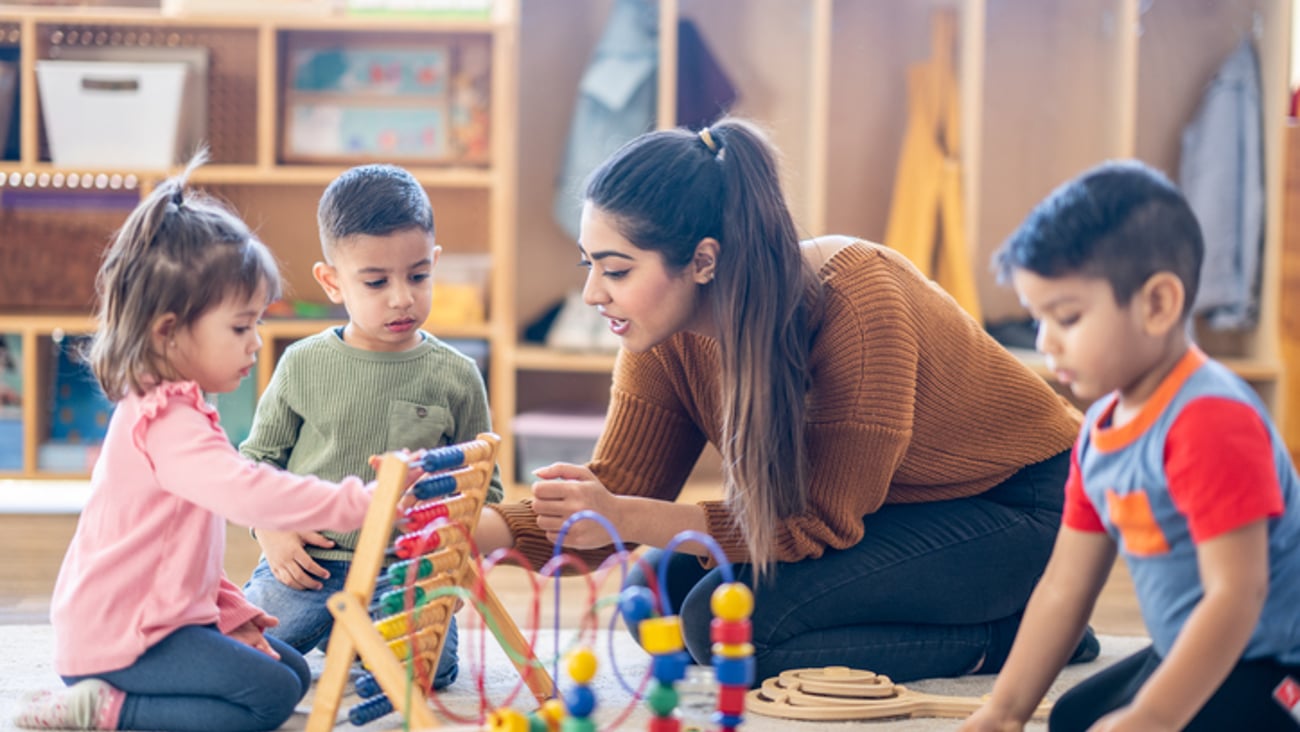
x=148 y=552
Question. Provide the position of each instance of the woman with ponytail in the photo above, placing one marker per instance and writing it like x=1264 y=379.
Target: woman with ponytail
x=893 y=478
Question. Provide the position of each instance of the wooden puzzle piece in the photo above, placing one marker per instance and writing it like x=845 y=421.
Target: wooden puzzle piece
x=840 y=693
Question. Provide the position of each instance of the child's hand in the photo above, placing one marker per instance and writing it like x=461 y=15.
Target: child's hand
x=1131 y=719
x=986 y=720
x=290 y=562
x=250 y=634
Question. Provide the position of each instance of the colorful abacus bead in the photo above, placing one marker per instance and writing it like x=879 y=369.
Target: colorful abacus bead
x=369 y=710
x=442 y=458
x=434 y=487
x=417 y=517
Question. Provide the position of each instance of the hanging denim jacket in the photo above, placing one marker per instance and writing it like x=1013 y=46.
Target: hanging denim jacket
x=617 y=100
x=1222 y=174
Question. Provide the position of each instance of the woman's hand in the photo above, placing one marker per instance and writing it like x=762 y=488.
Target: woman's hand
x=250 y=634
x=563 y=489
x=289 y=560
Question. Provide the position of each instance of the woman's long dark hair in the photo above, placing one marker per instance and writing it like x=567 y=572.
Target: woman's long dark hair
x=668 y=190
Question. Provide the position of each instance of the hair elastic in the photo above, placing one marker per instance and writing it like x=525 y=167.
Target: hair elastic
x=707 y=138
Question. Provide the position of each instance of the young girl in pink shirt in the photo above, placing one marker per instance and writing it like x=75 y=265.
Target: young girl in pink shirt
x=150 y=634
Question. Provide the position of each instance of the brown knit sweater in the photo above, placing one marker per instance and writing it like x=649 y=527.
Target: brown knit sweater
x=911 y=401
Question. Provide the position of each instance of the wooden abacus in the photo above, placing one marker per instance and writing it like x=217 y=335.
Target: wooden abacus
x=440 y=556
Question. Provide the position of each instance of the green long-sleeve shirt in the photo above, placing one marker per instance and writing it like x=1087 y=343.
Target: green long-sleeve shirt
x=330 y=406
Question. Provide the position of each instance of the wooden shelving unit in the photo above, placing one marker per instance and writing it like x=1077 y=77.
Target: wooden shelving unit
x=474 y=204
x=1047 y=89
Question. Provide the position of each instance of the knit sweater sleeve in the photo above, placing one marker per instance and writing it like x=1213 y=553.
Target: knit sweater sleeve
x=648 y=447
x=275 y=424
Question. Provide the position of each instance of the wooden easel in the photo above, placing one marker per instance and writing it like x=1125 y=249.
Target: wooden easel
x=927 y=217
x=355 y=634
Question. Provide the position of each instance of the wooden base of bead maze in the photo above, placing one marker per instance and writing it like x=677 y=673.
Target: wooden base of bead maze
x=355 y=634
x=840 y=693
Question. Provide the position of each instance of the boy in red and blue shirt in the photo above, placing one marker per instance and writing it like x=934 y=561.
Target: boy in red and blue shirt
x=1177 y=468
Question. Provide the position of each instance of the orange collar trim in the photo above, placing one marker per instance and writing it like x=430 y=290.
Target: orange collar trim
x=1109 y=439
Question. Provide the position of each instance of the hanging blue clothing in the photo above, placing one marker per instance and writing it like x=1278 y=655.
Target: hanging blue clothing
x=617 y=100
x=1222 y=175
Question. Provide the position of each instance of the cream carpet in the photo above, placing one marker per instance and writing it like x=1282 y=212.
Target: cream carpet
x=25 y=665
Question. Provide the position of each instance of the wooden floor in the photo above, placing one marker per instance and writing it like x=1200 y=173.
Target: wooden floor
x=37 y=543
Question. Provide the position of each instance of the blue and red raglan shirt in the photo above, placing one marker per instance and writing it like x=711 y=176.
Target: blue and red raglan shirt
x=1201 y=459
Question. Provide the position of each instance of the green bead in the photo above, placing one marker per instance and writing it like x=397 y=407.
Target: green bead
x=662 y=699
x=577 y=724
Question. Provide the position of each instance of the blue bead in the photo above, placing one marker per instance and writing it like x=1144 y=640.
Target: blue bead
x=369 y=710
x=442 y=458
x=734 y=671
x=636 y=604
x=366 y=686
x=670 y=667
x=728 y=721
x=580 y=700
x=435 y=486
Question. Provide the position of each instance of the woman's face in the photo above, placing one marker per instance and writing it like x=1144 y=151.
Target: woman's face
x=646 y=301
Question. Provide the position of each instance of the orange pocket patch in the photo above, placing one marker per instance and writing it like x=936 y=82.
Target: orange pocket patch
x=1132 y=515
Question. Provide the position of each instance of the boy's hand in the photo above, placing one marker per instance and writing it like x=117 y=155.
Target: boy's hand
x=986 y=720
x=1131 y=719
x=290 y=562
x=250 y=634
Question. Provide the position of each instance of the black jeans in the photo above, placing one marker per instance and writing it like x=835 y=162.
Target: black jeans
x=1244 y=701
x=933 y=589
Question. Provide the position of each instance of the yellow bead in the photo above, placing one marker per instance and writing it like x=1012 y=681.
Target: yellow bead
x=732 y=601
x=733 y=650
x=507 y=720
x=553 y=712
x=661 y=635
x=582 y=666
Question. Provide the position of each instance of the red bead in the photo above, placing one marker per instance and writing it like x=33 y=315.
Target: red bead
x=731 y=632
x=664 y=724
x=731 y=699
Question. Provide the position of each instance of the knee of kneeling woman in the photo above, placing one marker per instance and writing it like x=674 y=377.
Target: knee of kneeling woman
x=696 y=618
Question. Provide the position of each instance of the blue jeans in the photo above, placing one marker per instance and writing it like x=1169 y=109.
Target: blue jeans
x=198 y=679
x=305 y=619
x=932 y=589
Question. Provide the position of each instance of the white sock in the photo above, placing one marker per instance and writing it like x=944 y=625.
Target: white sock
x=89 y=704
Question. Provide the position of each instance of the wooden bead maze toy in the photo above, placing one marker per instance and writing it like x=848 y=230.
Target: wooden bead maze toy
x=401 y=649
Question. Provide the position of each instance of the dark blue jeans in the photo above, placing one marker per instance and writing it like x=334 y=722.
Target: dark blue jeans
x=933 y=589
x=199 y=679
x=1244 y=701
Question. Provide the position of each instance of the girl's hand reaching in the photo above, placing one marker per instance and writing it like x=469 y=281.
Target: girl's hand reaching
x=563 y=489
x=250 y=634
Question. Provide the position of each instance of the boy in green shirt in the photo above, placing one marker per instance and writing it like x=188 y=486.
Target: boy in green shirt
x=377 y=384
